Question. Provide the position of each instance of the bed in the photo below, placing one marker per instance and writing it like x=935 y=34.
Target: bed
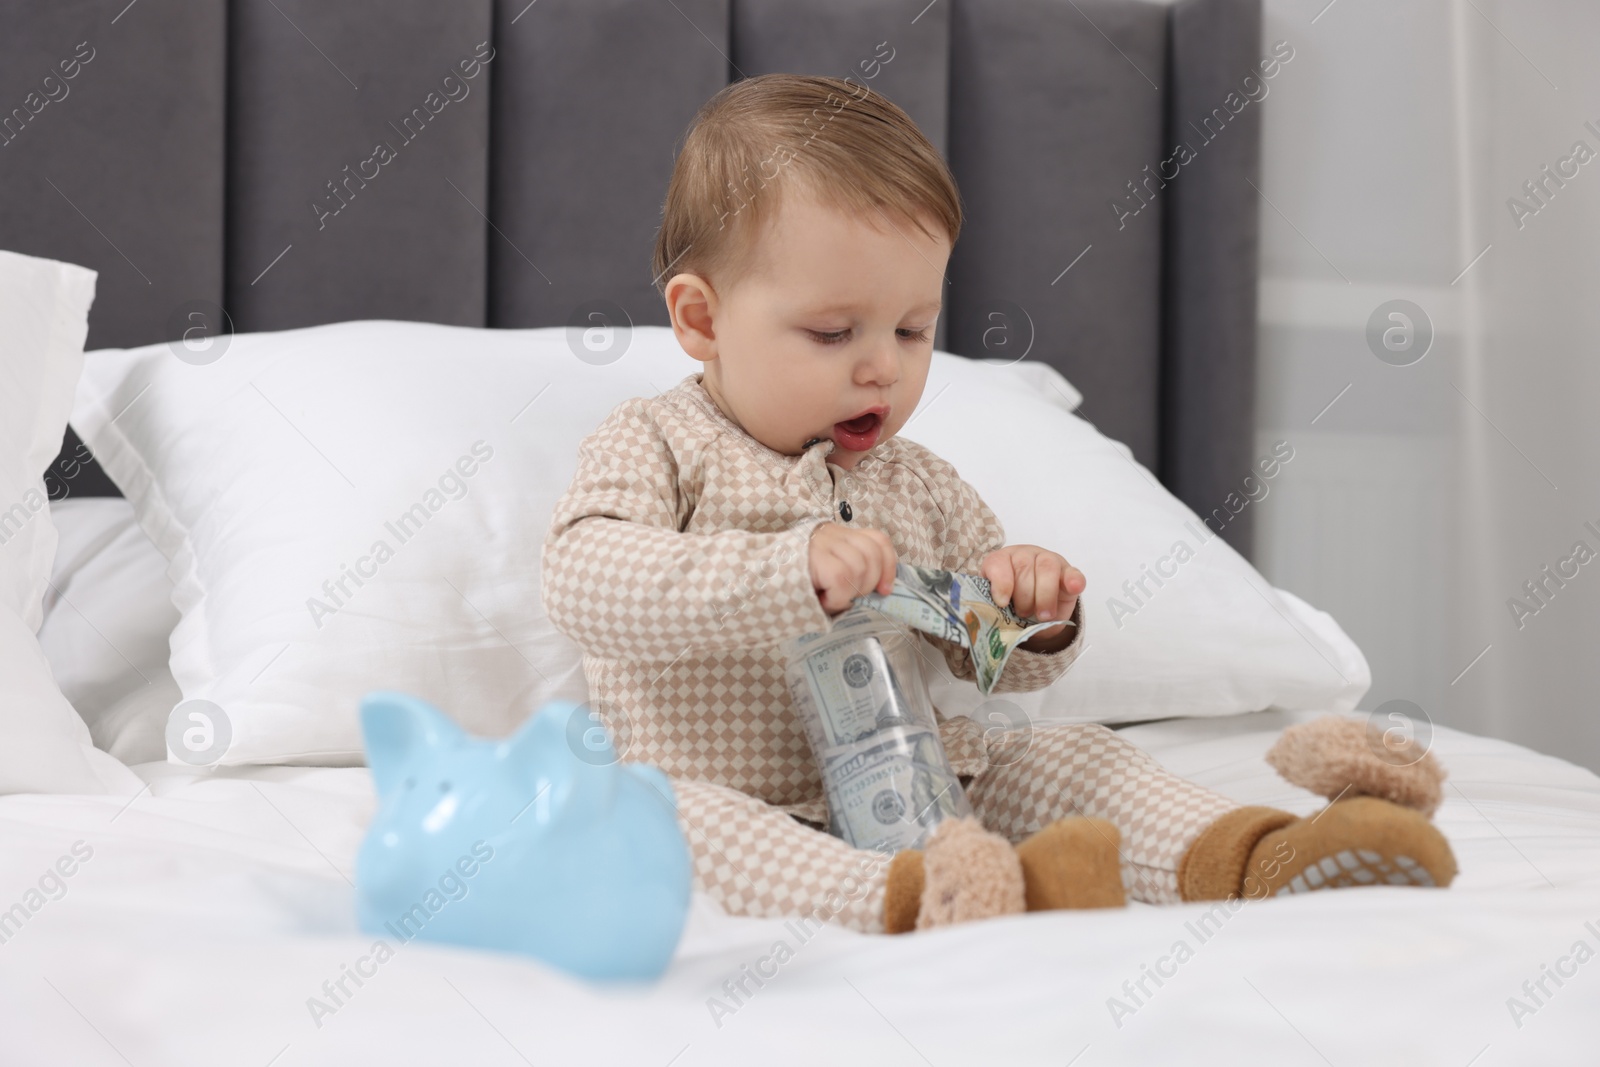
x=217 y=904
x=207 y=916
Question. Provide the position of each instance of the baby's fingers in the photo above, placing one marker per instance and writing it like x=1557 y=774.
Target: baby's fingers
x=887 y=560
x=865 y=567
x=1024 y=599
x=841 y=582
x=1002 y=577
x=1073 y=583
x=1046 y=584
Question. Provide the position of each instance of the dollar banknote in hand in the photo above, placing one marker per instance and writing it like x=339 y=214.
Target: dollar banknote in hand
x=961 y=608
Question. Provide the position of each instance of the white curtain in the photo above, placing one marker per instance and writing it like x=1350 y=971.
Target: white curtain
x=1445 y=509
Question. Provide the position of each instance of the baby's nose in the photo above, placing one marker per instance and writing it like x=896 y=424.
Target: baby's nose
x=881 y=365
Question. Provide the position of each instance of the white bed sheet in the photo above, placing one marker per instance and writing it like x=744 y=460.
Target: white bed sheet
x=216 y=903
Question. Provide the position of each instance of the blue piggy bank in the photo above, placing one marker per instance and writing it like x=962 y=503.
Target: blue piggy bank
x=541 y=844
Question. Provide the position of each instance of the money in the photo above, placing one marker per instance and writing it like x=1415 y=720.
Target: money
x=866 y=711
x=890 y=792
x=856 y=692
x=961 y=608
x=873 y=733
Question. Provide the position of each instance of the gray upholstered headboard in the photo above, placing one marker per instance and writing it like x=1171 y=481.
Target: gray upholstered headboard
x=225 y=153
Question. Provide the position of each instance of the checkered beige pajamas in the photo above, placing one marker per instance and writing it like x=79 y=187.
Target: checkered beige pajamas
x=755 y=860
x=678 y=560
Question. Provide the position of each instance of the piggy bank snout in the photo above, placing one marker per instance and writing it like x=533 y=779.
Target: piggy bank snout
x=388 y=865
x=397 y=854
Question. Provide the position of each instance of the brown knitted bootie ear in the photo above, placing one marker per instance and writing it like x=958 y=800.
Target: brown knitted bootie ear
x=1072 y=863
x=1339 y=758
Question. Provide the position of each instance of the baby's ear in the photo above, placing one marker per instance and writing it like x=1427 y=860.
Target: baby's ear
x=690 y=301
x=397 y=729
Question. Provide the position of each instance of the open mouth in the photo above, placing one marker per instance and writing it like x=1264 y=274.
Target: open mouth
x=860 y=433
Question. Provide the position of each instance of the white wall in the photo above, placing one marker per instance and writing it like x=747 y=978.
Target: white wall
x=1424 y=498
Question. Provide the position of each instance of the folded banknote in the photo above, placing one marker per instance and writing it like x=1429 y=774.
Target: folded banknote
x=961 y=608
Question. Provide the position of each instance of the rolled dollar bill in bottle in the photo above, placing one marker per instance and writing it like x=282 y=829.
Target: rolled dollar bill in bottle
x=861 y=696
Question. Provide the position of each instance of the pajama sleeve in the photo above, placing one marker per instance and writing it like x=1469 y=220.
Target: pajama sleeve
x=972 y=531
x=621 y=578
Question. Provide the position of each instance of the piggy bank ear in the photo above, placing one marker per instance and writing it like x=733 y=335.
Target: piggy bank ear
x=398 y=727
x=552 y=752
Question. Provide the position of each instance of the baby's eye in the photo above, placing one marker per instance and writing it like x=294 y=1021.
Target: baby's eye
x=831 y=338
x=914 y=335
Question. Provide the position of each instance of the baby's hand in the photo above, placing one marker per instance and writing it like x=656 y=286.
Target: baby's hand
x=1037 y=582
x=847 y=561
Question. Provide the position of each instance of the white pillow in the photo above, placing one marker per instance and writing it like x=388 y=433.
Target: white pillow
x=44 y=746
x=282 y=465
x=270 y=476
x=107 y=616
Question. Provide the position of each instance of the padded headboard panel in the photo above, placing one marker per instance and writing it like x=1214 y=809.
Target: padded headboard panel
x=227 y=153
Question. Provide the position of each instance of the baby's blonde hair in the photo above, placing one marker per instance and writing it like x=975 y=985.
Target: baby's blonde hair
x=851 y=148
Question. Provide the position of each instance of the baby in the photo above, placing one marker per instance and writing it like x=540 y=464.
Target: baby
x=802 y=256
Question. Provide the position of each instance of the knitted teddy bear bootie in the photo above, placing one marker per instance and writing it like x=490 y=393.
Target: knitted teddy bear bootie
x=967 y=873
x=1374 y=831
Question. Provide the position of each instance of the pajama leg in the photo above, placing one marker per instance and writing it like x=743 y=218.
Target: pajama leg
x=757 y=860
x=1089 y=770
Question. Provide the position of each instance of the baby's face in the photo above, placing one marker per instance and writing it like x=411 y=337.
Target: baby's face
x=836 y=321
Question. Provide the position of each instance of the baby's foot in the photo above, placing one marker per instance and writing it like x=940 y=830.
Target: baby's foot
x=1359 y=841
x=1073 y=863
x=964 y=873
